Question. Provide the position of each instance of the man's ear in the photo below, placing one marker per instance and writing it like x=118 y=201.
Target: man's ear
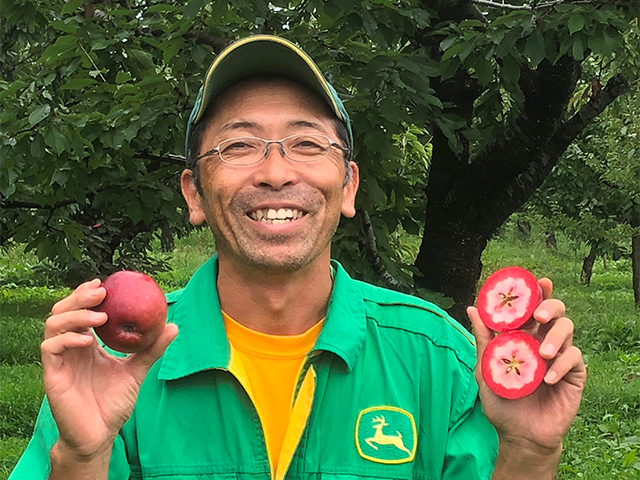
x=349 y=192
x=192 y=197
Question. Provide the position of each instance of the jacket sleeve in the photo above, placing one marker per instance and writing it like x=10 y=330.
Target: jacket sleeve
x=472 y=445
x=35 y=464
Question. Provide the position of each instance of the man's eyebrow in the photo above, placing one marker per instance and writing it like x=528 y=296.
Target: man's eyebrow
x=304 y=123
x=239 y=125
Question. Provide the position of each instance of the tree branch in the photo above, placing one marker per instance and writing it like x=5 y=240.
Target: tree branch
x=372 y=251
x=513 y=194
x=167 y=158
x=533 y=6
x=570 y=129
x=21 y=204
x=205 y=38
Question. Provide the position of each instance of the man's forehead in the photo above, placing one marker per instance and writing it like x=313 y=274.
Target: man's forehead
x=255 y=102
x=251 y=87
x=249 y=125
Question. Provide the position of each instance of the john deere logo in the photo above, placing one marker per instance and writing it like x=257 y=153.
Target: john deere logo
x=386 y=435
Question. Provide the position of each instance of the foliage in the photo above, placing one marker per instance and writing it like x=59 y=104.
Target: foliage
x=594 y=193
x=95 y=98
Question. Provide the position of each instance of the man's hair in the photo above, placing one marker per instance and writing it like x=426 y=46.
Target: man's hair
x=199 y=129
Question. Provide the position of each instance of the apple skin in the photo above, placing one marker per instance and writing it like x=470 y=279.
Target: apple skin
x=136 y=310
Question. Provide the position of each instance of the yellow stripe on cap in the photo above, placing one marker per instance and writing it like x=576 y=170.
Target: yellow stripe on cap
x=271 y=38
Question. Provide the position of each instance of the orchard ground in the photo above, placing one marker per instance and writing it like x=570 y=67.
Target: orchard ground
x=604 y=442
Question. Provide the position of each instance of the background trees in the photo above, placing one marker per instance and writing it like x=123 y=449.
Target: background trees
x=95 y=97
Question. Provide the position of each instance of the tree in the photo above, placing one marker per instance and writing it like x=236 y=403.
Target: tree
x=96 y=94
x=593 y=194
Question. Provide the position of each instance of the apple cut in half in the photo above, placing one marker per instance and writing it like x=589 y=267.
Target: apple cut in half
x=511 y=365
x=508 y=298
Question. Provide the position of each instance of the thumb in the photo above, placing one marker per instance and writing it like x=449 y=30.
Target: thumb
x=482 y=334
x=142 y=361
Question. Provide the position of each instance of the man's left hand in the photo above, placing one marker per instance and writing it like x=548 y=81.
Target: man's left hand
x=535 y=425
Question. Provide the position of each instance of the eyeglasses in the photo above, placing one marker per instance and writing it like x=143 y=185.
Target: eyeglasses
x=250 y=150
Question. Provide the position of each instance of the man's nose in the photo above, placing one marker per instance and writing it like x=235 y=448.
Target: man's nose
x=275 y=170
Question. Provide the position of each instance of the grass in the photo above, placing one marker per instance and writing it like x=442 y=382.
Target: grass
x=603 y=443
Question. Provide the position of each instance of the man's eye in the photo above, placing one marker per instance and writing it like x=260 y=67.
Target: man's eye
x=307 y=144
x=237 y=147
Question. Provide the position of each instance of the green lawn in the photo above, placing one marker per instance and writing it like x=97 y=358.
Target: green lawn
x=604 y=442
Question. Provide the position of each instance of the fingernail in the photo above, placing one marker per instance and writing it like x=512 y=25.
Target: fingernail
x=548 y=349
x=543 y=314
x=550 y=376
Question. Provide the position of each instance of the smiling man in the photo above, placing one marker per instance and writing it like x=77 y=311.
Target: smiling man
x=284 y=367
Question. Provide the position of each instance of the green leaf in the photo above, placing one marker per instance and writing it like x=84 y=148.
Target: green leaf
x=63 y=44
x=172 y=49
x=39 y=114
x=379 y=62
x=161 y=8
x=578 y=47
x=55 y=139
x=66 y=27
x=510 y=70
x=193 y=7
x=534 y=48
x=78 y=83
x=576 y=23
x=13 y=89
x=60 y=177
x=122 y=77
x=71 y=6
x=483 y=70
x=376 y=194
x=143 y=59
x=391 y=111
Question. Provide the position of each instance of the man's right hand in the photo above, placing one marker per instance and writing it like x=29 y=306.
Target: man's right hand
x=91 y=393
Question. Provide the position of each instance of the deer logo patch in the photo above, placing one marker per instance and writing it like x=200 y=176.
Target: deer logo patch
x=386 y=435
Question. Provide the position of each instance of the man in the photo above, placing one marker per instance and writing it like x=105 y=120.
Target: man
x=284 y=367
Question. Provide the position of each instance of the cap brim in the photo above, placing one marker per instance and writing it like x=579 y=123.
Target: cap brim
x=263 y=54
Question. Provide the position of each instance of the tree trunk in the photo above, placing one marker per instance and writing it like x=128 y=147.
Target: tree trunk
x=467 y=201
x=587 y=265
x=635 y=268
x=452 y=257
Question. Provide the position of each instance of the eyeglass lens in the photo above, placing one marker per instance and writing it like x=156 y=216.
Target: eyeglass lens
x=301 y=148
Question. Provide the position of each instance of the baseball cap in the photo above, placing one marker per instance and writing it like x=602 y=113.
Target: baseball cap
x=267 y=54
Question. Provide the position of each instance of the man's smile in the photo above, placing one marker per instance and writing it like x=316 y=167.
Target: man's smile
x=276 y=216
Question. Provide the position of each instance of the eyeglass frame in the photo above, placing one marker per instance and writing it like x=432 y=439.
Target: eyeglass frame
x=266 y=152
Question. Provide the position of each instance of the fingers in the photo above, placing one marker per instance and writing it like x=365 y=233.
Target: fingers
x=143 y=360
x=483 y=336
x=559 y=337
x=74 y=321
x=568 y=364
x=548 y=310
x=547 y=287
x=87 y=295
x=52 y=348
x=69 y=325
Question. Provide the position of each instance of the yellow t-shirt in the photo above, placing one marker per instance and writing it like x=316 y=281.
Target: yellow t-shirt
x=272 y=364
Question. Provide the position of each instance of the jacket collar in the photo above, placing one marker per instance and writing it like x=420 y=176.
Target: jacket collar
x=202 y=342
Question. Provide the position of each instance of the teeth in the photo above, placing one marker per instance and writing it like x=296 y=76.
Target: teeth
x=271 y=215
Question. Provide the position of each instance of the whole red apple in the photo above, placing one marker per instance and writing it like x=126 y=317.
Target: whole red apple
x=136 y=309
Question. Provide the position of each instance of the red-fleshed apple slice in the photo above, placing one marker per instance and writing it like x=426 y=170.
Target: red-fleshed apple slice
x=136 y=310
x=511 y=365
x=508 y=298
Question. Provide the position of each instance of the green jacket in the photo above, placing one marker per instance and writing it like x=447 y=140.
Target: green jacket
x=387 y=392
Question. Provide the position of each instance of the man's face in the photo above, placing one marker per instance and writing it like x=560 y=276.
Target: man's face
x=312 y=195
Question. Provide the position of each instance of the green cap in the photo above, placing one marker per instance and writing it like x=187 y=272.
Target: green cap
x=263 y=54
